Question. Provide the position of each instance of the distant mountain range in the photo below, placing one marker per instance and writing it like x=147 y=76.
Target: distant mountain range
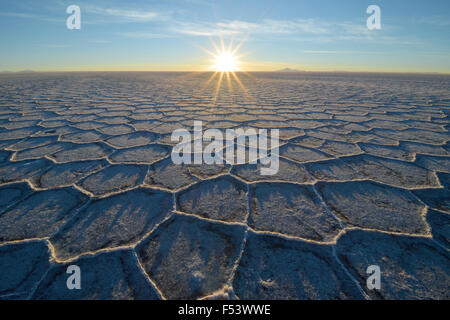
x=22 y=71
x=289 y=70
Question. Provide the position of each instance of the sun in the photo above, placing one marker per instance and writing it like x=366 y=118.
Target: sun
x=226 y=66
x=226 y=62
x=225 y=57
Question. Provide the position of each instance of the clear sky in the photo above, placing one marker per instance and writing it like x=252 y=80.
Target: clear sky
x=169 y=35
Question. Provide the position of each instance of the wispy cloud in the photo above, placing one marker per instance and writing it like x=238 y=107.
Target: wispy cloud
x=58 y=46
x=270 y=26
x=267 y=26
x=311 y=30
x=201 y=29
x=127 y=15
x=438 y=21
x=144 y=35
x=99 y=41
x=346 y=52
x=25 y=15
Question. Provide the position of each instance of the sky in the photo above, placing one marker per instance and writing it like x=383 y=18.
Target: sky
x=178 y=35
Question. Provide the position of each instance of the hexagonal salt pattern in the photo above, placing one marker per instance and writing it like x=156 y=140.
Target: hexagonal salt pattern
x=411 y=267
x=106 y=276
x=40 y=214
x=22 y=265
x=276 y=268
x=115 y=221
x=292 y=210
x=184 y=252
x=86 y=178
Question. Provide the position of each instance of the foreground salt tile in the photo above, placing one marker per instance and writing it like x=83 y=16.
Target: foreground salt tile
x=288 y=171
x=386 y=124
x=144 y=154
x=40 y=214
x=370 y=137
x=337 y=148
x=135 y=139
x=290 y=133
x=203 y=171
x=440 y=226
x=166 y=174
x=11 y=193
x=56 y=131
x=332 y=170
x=114 y=120
x=444 y=179
x=87 y=136
x=40 y=152
x=167 y=127
x=19 y=124
x=106 y=276
x=21 y=170
x=79 y=152
x=292 y=210
x=427 y=125
x=390 y=152
x=145 y=125
x=414 y=135
x=411 y=267
x=4 y=144
x=434 y=163
x=54 y=123
x=32 y=142
x=114 y=178
x=372 y=205
x=276 y=268
x=435 y=198
x=17 y=133
x=223 y=198
x=393 y=172
x=66 y=174
x=115 y=221
x=22 y=265
x=307 y=141
x=116 y=130
x=4 y=155
x=88 y=125
x=189 y=258
x=426 y=149
x=302 y=154
x=300 y=124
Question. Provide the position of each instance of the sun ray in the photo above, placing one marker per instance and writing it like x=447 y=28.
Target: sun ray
x=222 y=42
x=219 y=82
x=210 y=79
x=236 y=49
x=230 y=86
x=214 y=45
x=239 y=82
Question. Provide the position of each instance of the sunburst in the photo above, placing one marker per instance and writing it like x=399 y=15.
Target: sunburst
x=225 y=61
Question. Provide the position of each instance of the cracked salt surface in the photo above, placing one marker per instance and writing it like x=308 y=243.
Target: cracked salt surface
x=87 y=179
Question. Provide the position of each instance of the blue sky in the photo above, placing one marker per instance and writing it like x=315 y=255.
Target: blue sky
x=169 y=35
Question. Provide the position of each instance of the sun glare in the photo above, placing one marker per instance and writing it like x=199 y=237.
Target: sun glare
x=226 y=62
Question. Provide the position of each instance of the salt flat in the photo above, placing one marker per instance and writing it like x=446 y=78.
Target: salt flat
x=86 y=178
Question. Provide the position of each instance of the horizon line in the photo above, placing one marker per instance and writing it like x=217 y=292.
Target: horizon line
x=238 y=71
